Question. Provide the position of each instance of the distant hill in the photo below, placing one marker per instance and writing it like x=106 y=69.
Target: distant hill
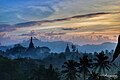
x=59 y=46
x=55 y=46
x=3 y=48
x=97 y=48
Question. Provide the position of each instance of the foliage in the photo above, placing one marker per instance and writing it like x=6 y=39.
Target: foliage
x=101 y=63
x=9 y=70
x=70 y=70
x=44 y=74
x=84 y=65
x=94 y=76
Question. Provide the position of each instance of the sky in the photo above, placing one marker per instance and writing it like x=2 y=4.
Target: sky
x=78 y=21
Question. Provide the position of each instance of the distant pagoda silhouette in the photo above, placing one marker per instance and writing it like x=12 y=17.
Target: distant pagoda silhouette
x=67 y=50
x=31 y=45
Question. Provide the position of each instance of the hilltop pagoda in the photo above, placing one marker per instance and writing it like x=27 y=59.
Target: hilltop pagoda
x=31 y=45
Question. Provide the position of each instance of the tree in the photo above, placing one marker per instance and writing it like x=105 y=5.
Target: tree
x=52 y=74
x=9 y=70
x=84 y=65
x=101 y=63
x=17 y=49
x=94 y=76
x=41 y=73
x=118 y=74
x=70 y=70
x=38 y=74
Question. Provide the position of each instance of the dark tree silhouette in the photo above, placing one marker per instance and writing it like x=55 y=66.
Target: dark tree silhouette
x=38 y=74
x=101 y=63
x=17 y=49
x=117 y=50
x=118 y=74
x=70 y=70
x=84 y=65
x=94 y=76
x=44 y=74
x=9 y=70
x=52 y=74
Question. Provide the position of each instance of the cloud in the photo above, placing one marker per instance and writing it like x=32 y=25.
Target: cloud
x=91 y=20
x=42 y=8
x=6 y=28
x=77 y=29
x=71 y=28
x=20 y=11
x=89 y=38
x=4 y=38
x=38 y=34
x=67 y=20
x=35 y=13
x=32 y=33
x=21 y=17
x=54 y=34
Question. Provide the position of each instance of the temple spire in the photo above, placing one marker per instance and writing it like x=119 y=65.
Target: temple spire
x=31 y=45
x=67 y=50
x=77 y=51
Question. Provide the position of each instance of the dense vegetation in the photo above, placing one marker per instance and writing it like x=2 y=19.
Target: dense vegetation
x=68 y=65
x=62 y=66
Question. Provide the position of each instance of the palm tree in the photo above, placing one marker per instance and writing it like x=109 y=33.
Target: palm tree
x=70 y=70
x=101 y=63
x=94 y=76
x=84 y=65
